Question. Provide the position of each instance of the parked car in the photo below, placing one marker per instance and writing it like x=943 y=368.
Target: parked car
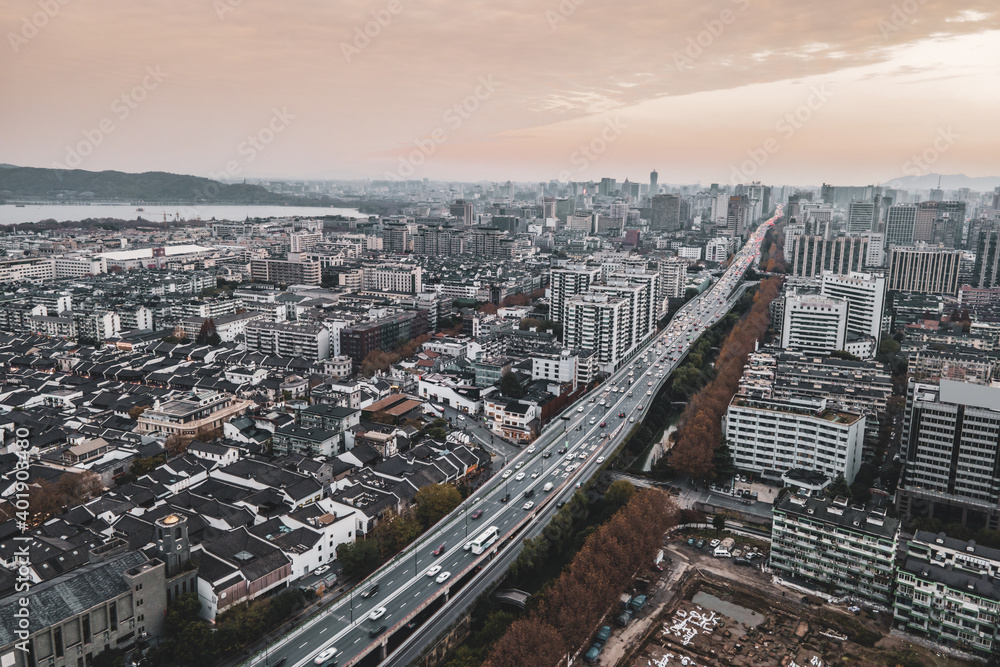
x=700 y=544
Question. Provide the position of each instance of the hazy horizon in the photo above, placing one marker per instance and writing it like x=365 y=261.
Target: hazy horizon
x=801 y=93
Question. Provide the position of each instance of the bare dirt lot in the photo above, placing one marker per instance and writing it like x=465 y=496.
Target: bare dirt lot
x=705 y=611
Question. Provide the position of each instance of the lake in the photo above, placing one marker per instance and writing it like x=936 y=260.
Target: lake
x=11 y=214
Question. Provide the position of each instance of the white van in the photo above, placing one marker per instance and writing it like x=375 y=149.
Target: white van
x=721 y=552
x=547 y=487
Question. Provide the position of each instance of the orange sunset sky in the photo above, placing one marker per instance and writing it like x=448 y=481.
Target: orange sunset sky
x=692 y=89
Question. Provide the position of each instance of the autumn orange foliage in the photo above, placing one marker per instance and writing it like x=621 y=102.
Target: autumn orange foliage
x=700 y=429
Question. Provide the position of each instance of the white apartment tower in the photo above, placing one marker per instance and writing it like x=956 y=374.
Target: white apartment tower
x=865 y=296
x=814 y=323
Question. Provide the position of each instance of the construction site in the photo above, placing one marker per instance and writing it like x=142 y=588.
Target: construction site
x=704 y=612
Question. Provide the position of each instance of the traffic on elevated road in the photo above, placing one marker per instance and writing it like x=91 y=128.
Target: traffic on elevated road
x=391 y=605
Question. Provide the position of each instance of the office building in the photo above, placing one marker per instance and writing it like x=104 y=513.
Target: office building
x=835 y=547
x=387 y=333
x=814 y=323
x=654 y=188
x=861 y=217
x=286 y=272
x=771 y=437
x=900 y=223
x=666 y=213
x=924 y=269
x=462 y=210
x=737 y=216
x=865 y=296
x=948 y=591
x=951 y=445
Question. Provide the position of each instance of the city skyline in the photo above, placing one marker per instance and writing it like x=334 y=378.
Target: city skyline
x=727 y=92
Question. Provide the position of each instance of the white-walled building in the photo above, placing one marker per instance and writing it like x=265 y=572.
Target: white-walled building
x=865 y=296
x=771 y=437
x=814 y=323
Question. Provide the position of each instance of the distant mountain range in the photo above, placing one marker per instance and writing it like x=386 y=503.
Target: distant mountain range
x=34 y=184
x=948 y=182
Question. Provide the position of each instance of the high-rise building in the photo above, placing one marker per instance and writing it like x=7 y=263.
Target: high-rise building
x=607 y=187
x=923 y=227
x=642 y=288
x=899 y=224
x=737 y=214
x=600 y=322
x=567 y=282
x=951 y=445
x=865 y=296
x=673 y=276
x=814 y=323
x=462 y=210
x=666 y=213
x=860 y=217
x=654 y=188
x=987 y=270
x=489 y=242
x=924 y=269
x=396 y=237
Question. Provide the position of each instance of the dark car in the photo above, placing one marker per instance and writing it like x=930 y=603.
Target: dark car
x=529 y=492
x=370 y=592
x=438 y=551
x=691 y=541
x=742 y=561
x=561 y=450
x=505 y=498
x=622 y=415
x=560 y=504
x=700 y=544
x=477 y=514
x=547 y=455
x=280 y=662
x=603 y=424
x=375 y=632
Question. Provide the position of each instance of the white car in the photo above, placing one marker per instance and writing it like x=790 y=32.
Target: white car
x=580 y=409
x=507 y=473
x=443 y=577
x=519 y=464
x=531 y=449
x=528 y=505
x=434 y=570
x=600 y=459
x=534 y=474
x=461 y=418
x=518 y=477
x=377 y=614
x=324 y=656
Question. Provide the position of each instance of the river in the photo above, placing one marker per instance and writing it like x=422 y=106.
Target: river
x=11 y=214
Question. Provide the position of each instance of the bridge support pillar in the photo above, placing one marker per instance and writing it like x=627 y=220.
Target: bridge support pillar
x=383 y=651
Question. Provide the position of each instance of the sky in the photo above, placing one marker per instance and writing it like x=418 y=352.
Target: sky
x=787 y=92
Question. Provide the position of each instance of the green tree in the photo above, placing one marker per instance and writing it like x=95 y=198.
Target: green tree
x=181 y=612
x=208 y=335
x=436 y=501
x=509 y=386
x=395 y=531
x=839 y=487
x=358 y=558
x=619 y=492
x=725 y=468
x=719 y=522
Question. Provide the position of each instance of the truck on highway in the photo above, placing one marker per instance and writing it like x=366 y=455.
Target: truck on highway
x=547 y=487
